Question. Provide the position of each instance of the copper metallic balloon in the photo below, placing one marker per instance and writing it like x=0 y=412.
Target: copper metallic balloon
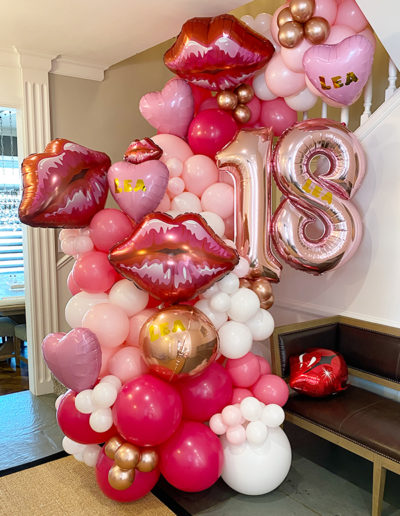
x=127 y=456
x=227 y=100
x=291 y=34
x=148 y=460
x=262 y=287
x=242 y=114
x=244 y=93
x=112 y=446
x=120 y=479
x=317 y=30
x=284 y=16
x=178 y=342
x=302 y=10
x=245 y=283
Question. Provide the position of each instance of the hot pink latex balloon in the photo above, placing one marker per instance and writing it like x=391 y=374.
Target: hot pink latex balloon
x=147 y=411
x=142 y=484
x=350 y=14
x=244 y=371
x=210 y=130
x=270 y=388
x=171 y=109
x=93 y=273
x=205 y=394
x=108 y=227
x=280 y=80
x=74 y=358
x=340 y=71
x=277 y=115
x=196 y=449
x=138 y=189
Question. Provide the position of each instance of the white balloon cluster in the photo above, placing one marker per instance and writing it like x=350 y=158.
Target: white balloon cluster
x=236 y=314
x=248 y=421
x=98 y=402
x=87 y=453
x=75 y=241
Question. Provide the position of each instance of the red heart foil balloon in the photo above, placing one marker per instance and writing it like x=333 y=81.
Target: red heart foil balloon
x=217 y=53
x=318 y=372
x=173 y=258
x=65 y=186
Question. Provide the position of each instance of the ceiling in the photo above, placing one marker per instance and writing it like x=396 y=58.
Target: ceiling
x=98 y=33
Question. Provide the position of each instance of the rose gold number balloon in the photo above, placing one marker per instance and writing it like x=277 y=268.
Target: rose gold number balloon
x=247 y=160
x=320 y=196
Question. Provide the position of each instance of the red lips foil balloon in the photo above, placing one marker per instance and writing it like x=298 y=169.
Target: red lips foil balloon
x=217 y=53
x=65 y=186
x=173 y=258
x=318 y=372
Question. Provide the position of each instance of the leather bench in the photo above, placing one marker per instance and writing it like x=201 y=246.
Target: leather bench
x=357 y=419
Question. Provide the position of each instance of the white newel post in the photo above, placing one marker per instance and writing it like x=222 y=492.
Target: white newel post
x=39 y=243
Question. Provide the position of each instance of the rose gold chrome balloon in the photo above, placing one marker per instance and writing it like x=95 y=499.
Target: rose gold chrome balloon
x=112 y=446
x=148 y=460
x=291 y=34
x=127 y=456
x=244 y=93
x=317 y=30
x=262 y=287
x=227 y=100
x=284 y=16
x=242 y=114
x=310 y=198
x=119 y=478
x=178 y=342
x=302 y=10
x=247 y=160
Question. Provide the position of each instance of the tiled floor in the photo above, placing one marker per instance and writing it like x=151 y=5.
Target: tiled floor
x=324 y=479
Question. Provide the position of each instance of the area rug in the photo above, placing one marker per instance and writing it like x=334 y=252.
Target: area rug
x=65 y=487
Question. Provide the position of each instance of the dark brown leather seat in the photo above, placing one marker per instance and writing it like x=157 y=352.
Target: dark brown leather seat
x=359 y=415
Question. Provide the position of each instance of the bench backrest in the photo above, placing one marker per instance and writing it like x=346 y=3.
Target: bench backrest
x=371 y=351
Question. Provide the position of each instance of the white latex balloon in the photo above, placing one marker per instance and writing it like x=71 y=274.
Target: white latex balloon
x=186 y=202
x=244 y=305
x=101 y=420
x=104 y=395
x=114 y=380
x=261 y=325
x=217 y=425
x=272 y=415
x=256 y=470
x=215 y=222
x=129 y=297
x=210 y=292
x=90 y=454
x=235 y=339
x=260 y=87
x=242 y=268
x=250 y=408
x=71 y=446
x=79 y=304
x=236 y=434
x=78 y=456
x=221 y=302
x=229 y=283
x=302 y=101
x=217 y=318
x=84 y=402
x=256 y=433
x=231 y=415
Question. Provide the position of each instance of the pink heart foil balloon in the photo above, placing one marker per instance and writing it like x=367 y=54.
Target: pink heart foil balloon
x=340 y=72
x=171 y=109
x=74 y=358
x=138 y=189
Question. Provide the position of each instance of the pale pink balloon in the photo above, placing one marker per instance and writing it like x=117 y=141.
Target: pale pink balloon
x=135 y=325
x=172 y=146
x=239 y=394
x=274 y=22
x=175 y=167
x=129 y=297
x=127 y=364
x=165 y=204
x=302 y=101
x=106 y=354
x=199 y=172
x=171 y=109
x=176 y=186
x=108 y=322
x=326 y=9
x=282 y=81
x=293 y=57
x=236 y=434
x=218 y=198
x=350 y=14
x=339 y=33
x=186 y=202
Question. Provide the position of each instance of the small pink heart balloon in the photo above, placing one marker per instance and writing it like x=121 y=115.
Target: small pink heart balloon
x=171 y=109
x=138 y=189
x=74 y=358
x=340 y=72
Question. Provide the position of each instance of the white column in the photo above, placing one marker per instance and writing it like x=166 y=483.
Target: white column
x=39 y=243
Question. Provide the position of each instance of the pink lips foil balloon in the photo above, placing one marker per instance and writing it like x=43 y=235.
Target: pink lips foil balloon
x=74 y=358
x=173 y=258
x=171 y=109
x=138 y=189
x=340 y=72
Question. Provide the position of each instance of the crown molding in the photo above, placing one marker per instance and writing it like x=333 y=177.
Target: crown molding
x=80 y=69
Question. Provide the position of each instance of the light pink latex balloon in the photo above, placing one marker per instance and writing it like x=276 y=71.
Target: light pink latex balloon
x=172 y=146
x=108 y=227
x=293 y=57
x=135 y=325
x=171 y=109
x=367 y=33
x=106 y=354
x=340 y=72
x=108 y=322
x=339 y=33
x=326 y=9
x=244 y=371
x=199 y=172
x=239 y=394
x=350 y=14
x=282 y=81
x=165 y=204
x=270 y=388
x=72 y=285
x=218 y=198
x=127 y=364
